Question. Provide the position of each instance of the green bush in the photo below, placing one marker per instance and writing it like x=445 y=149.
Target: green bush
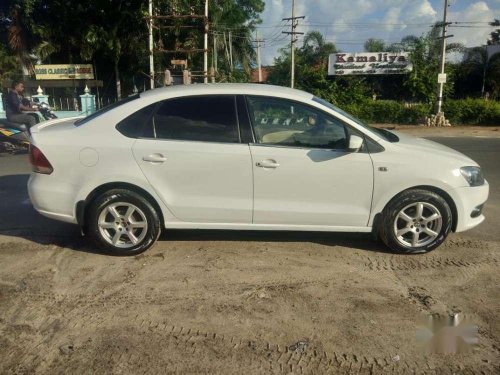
x=459 y=112
x=389 y=111
x=472 y=111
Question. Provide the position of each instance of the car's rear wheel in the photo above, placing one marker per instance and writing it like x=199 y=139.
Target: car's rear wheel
x=416 y=221
x=122 y=222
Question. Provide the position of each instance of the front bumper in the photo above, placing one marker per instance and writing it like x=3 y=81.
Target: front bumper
x=467 y=200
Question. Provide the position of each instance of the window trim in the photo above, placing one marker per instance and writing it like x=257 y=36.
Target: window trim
x=244 y=114
x=158 y=104
x=346 y=125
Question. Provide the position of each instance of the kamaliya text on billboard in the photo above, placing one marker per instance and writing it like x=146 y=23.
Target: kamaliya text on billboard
x=64 y=71
x=369 y=63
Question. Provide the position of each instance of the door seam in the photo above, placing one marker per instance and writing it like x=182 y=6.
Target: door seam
x=253 y=182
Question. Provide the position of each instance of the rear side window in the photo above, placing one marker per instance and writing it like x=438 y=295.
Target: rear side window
x=200 y=118
x=106 y=109
x=132 y=125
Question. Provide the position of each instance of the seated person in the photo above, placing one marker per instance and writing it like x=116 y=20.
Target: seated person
x=16 y=106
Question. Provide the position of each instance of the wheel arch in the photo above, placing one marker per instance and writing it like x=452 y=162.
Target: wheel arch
x=443 y=194
x=82 y=206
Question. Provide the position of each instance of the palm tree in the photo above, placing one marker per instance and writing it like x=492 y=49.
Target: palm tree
x=19 y=38
x=476 y=59
x=315 y=49
x=9 y=66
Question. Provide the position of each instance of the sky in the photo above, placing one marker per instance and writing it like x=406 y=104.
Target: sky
x=349 y=23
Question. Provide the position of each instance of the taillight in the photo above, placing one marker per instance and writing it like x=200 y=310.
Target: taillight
x=39 y=162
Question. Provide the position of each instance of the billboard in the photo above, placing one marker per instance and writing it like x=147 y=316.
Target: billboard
x=64 y=71
x=369 y=63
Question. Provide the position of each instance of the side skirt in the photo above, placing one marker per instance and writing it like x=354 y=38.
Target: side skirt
x=232 y=226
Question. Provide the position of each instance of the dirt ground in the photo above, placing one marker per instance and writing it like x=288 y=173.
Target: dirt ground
x=242 y=302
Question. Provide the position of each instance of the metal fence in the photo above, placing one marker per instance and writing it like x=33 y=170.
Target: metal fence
x=74 y=104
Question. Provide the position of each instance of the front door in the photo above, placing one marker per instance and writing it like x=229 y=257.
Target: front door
x=192 y=156
x=303 y=172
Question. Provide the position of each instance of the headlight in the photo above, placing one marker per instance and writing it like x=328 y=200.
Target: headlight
x=473 y=175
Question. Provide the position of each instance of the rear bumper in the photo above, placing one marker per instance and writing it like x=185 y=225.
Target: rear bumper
x=467 y=201
x=51 y=198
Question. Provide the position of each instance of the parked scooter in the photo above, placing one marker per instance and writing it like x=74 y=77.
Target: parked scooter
x=45 y=110
x=15 y=137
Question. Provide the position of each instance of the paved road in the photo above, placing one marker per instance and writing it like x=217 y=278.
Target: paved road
x=18 y=217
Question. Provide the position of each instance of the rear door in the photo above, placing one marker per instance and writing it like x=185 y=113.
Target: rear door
x=191 y=154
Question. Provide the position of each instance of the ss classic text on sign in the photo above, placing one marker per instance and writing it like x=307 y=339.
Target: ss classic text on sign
x=64 y=71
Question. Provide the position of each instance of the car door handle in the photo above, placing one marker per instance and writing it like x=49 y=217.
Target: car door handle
x=267 y=164
x=154 y=158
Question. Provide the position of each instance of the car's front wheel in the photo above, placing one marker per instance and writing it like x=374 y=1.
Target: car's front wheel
x=122 y=222
x=416 y=221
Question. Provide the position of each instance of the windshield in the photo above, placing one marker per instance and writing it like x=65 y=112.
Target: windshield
x=105 y=109
x=388 y=136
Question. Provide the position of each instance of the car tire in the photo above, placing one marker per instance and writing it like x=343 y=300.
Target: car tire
x=122 y=222
x=415 y=221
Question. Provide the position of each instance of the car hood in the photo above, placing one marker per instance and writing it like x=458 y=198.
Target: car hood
x=414 y=145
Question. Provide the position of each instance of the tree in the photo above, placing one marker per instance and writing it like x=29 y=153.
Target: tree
x=238 y=17
x=311 y=72
x=124 y=37
x=315 y=50
x=9 y=67
x=375 y=45
x=424 y=51
x=311 y=57
x=494 y=35
x=113 y=34
x=478 y=74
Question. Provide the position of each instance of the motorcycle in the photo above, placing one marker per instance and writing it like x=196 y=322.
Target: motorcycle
x=15 y=137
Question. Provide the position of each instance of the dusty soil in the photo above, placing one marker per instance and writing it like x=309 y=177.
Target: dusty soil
x=219 y=302
x=241 y=302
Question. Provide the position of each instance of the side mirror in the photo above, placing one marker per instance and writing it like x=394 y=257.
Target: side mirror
x=355 y=143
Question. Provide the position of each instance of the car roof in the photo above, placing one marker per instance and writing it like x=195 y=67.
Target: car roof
x=225 y=88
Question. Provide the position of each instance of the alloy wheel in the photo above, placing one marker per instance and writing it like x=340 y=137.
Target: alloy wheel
x=122 y=224
x=418 y=224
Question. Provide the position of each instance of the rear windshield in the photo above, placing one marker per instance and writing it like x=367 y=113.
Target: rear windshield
x=106 y=109
x=388 y=136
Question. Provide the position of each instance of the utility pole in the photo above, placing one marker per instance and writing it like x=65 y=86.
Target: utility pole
x=231 y=50
x=258 y=41
x=205 y=46
x=292 y=34
x=179 y=50
x=215 y=53
x=441 y=79
x=151 y=58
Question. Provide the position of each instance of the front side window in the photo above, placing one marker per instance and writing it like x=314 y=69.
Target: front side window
x=200 y=118
x=287 y=123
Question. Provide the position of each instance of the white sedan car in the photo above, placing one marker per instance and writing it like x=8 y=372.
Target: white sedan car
x=243 y=156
